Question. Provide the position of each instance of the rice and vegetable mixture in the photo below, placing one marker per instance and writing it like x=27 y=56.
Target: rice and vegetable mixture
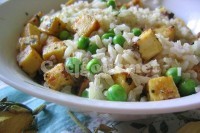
x=110 y=51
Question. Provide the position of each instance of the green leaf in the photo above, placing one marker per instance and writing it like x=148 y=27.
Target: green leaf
x=138 y=125
x=152 y=129
x=164 y=127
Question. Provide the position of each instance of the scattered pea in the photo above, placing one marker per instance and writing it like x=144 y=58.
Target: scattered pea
x=137 y=31
x=111 y=3
x=85 y=93
x=111 y=31
x=93 y=48
x=73 y=65
x=116 y=93
x=187 y=87
x=94 y=66
x=64 y=35
x=107 y=35
x=119 y=39
x=83 y=42
x=174 y=73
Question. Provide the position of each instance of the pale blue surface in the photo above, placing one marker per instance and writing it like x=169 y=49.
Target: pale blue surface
x=53 y=119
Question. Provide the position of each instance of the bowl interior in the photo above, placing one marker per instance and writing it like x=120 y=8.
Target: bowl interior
x=13 y=16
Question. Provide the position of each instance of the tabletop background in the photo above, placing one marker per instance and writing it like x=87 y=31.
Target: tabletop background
x=54 y=119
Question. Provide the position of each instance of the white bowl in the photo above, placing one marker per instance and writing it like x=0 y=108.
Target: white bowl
x=13 y=15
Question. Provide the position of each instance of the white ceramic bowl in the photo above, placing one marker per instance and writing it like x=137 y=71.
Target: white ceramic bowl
x=13 y=15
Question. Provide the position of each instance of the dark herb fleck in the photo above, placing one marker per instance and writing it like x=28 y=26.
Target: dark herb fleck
x=164 y=127
x=129 y=80
x=138 y=125
x=26 y=13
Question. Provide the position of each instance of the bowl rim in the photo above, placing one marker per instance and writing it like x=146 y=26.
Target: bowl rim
x=110 y=107
x=92 y=105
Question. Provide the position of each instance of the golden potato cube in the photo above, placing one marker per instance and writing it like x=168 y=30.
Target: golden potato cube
x=125 y=80
x=57 y=49
x=52 y=39
x=31 y=29
x=57 y=77
x=53 y=26
x=35 y=20
x=149 y=45
x=85 y=25
x=29 y=60
x=33 y=41
x=190 y=127
x=167 y=32
x=162 y=88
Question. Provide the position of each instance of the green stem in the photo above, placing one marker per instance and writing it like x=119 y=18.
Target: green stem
x=39 y=109
x=77 y=121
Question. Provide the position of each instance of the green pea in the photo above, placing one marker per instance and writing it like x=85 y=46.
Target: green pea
x=83 y=43
x=93 y=48
x=187 y=87
x=73 y=65
x=119 y=39
x=116 y=93
x=107 y=35
x=111 y=31
x=174 y=73
x=111 y=3
x=137 y=31
x=85 y=93
x=64 y=35
x=94 y=66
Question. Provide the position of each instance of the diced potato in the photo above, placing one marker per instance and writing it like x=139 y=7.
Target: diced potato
x=33 y=41
x=70 y=2
x=57 y=49
x=52 y=39
x=125 y=80
x=29 y=60
x=43 y=38
x=190 y=127
x=31 y=29
x=167 y=31
x=149 y=45
x=57 y=77
x=196 y=68
x=85 y=25
x=53 y=26
x=162 y=88
x=35 y=20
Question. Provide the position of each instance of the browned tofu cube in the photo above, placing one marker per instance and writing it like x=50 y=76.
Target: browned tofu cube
x=125 y=80
x=134 y=2
x=162 y=88
x=32 y=40
x=85 y=25
x=149 y=45
x=57 y=77
x=53 y=26
x=35 y=20
x=56 y=49
x=31 y=29
x=52 y=39
x=167 y=31
x=29 y=60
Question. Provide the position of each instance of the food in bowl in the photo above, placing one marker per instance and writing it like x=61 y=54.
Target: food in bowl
x=110 y=51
